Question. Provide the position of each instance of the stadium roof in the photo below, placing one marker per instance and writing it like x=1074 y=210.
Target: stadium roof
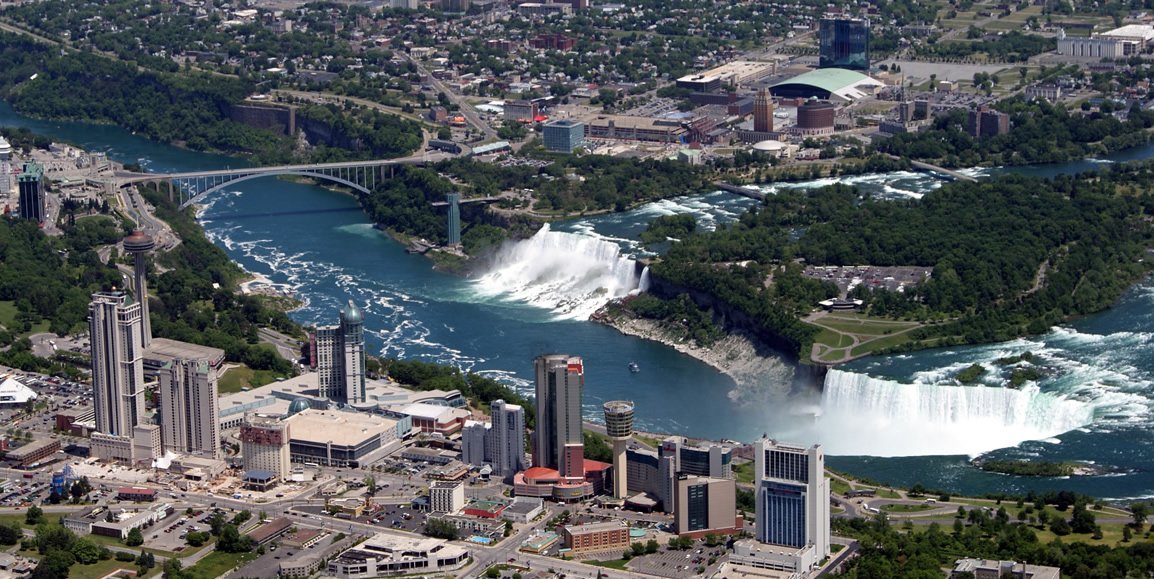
x=13 y=392
x=844 y=84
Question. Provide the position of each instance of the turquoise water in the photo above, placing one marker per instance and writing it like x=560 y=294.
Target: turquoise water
x=317 y=244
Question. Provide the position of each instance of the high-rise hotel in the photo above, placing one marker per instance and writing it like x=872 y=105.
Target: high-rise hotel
x=188 y=408
x=338 y=354
x=559 y=443
x=791 y=527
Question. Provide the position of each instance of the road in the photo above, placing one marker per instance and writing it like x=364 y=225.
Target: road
x=466 y=109
x=287 y=346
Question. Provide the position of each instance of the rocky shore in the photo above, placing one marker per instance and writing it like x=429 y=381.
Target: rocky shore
x=761 y=374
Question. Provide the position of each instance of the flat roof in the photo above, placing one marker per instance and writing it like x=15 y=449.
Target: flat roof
x=1143 y=31
x=424 y=410
x=270 y=529
x=165 y=349
x=337 y=426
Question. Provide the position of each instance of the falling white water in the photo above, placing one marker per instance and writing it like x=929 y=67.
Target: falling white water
x=643 y=285
x=862 y=415
x=569 y=274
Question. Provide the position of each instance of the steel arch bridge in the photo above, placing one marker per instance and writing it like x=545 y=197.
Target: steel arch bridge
x=191 y=187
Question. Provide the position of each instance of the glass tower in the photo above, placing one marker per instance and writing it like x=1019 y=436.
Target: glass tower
x=845 y=43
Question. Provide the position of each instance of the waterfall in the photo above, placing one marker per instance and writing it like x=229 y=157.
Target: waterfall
x=569 y=274
x=643 y=285
x=862 y=415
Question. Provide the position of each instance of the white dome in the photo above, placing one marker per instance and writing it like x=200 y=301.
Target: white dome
x=769 y=146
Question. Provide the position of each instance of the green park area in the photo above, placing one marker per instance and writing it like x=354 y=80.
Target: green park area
x=847 y=335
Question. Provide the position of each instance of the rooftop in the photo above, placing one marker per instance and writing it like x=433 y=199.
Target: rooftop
x=165 y=350
x=337 y=427
x=838 y=81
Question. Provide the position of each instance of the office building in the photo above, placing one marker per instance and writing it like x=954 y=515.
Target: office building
x=117 y=362
x=703 y=459
x=189 y=413
x=139 y=244
x=338 y=354
x=506 y=439
x=264 y=445
x=844 y=43
x=559 y=442
x=762 y=112
x=396 y=555
x=521 y=110
x=792 y=498
x=564 y=135
x=704 y=505
x=595 y=537
x=446 y=496
x=5 y=167
x=986 y=122
x=31 y=185
x=619 y=428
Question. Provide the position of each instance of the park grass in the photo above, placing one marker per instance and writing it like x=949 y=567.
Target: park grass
x=879 y=344
x=9 y=517
x=839 y=486
x=218 y=564
x=103 y=568
x=743 y=472
x=833 y=339
x=906 y=508
x=237 y=378
x=8 y=314
x=862 y=325
x=618 y=564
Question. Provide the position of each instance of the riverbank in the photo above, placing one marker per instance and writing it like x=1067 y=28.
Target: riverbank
x=738 y=355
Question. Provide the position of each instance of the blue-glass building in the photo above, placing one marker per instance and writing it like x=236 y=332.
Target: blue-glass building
x=564 y=136
x=845 y=43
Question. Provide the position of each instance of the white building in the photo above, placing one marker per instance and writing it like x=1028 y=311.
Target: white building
x=395 y=555
x=446 y=496
x=792 y=497
x=339 y=357
x=506 y=439
x=264 y=445
x=14 y=392
x=474 y=443
x=188 y=408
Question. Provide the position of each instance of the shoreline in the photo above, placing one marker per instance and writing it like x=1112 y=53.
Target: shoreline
x=759 y=372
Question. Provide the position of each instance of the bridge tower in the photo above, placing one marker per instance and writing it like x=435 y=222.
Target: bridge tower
x=454 y=218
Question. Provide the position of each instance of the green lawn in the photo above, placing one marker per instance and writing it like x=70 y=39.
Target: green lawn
x=839 y=486
x=743 y=472
x=217 y=564
x=906 y=508
x=7 y=313
x=102 y=568
x=833 y=339
x=618 y=564
x=240 y=377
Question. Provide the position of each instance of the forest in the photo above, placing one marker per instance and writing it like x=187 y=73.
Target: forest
x=479 y=390
x=1010 y=256
x=1040 y=132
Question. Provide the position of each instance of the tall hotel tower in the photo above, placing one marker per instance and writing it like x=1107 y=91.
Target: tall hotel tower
x=558 y=442
x=619 y=428
x=139 y=244
x=792 y=496
x=339 y=357
x=506 y=439
x=117 y=362
x=188 y=408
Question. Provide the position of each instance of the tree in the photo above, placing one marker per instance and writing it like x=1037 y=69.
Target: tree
x=1060 y=527
x=651 y=546
x=134 y=538
x=50 y=537
x=85 y=551
x=371 y=484
x=1139 y=512
x=34 y=516
x=54 y=565
x=493 y=573
x=197 y=538
x=10 y=534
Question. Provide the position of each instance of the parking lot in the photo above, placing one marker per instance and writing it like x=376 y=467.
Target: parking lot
x=674 y=563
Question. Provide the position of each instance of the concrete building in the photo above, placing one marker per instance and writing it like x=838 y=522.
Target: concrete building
x=435 y=418
x=506 y=439
x=595 y=537
x=524 y=509
x=815 y=118
x=792 y=520
x=338 y=354
x=521 y=110
x=619 y=428
x=340 y=438
x=635 y=128
x=395 y=555
x=762 y=112
x=33 y=452
x=264 y=444
x=474 y=443
x=653 y=474
x=138 y=449
x=559 y=442
x=844 y=43
x=188 y=408
x=737 y=73
x=117 y=363
x=563 y=135
x=991 y=569
x=30 y=182
x=986 y=122
x=705 y=505
x=446 y=497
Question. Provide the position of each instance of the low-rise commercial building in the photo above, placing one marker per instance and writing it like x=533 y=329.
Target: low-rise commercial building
x=33 y=452
x=595 y=537
x=136 y=494
x=341 y=439
x=270 y=530
x=993 y=569
x=634 y=128
x=390 y=554
x=524 y=509
x=433 y=418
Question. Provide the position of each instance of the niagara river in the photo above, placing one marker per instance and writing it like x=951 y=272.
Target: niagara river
x=895 y=419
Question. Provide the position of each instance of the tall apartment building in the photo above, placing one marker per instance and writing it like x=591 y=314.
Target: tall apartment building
x=475 y=443
x=5 y=166
x=31 y=186
x=704 y=505
x=189 y=414
x=559 y=442
x=338 y=354
x=117 y=363
x=506 y=439
x=792 y=496
x=264 y=444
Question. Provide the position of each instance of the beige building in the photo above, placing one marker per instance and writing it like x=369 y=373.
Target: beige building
x=264 y=445
x=596 y=537
x=703 y=505
x=446 y=496
x=188 y=408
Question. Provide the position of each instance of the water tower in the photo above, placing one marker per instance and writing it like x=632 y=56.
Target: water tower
x=139 y=244
x=619 y=427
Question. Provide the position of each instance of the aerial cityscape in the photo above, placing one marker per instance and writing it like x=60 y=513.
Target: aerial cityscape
x=487 y=288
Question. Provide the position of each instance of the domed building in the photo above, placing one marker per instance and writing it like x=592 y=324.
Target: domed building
x=297 y=405
x=338 y=353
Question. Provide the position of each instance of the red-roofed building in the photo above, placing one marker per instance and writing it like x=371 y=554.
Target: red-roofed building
x=598 y=474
